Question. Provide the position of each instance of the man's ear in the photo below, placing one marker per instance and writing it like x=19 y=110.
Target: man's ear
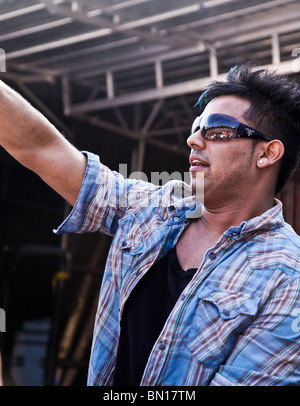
x=271 y=153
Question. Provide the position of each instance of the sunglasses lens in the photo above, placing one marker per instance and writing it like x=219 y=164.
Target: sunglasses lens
x=216 y=127
x=218 y=133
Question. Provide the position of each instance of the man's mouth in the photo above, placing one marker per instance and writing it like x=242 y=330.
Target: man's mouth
x=197 y=162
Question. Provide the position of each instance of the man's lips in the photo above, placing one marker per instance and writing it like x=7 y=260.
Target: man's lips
x=197 y=162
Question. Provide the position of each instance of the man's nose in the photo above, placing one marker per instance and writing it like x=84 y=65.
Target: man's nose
x=196 y=141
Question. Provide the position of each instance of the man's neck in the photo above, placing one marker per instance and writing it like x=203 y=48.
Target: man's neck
x=216 y=220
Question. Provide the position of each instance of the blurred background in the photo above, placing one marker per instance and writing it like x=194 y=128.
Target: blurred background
x=119 y=78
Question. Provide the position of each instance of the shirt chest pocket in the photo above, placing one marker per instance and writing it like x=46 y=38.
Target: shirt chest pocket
x=220 y=317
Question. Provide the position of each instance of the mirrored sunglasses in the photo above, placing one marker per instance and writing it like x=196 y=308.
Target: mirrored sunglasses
x=220 y=127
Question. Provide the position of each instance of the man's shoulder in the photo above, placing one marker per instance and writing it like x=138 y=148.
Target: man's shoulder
x=286 y=249
x=276 y=249
x=289 y=237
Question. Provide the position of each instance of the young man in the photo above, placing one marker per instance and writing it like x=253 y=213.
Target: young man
x=189 y=297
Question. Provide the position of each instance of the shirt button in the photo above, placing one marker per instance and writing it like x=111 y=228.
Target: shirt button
x=212 y=256
x=162 y=346
x=176 y=218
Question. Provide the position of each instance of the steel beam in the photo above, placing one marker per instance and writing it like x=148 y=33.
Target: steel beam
x=250 y=28
x=242 y=12
x=275 y=48
x=191 y=86
x=180 y=12
x=254 y=34
x=81 y=53
x=35 y=29
x=136 y=58
x=110 y=85
x=213 y=63
x=116 y=62
x=59 y=43
x=22 y=11
x=155 y=110
x=120 y=6
x=159 y=78
x=129 y=28
x=141 y=96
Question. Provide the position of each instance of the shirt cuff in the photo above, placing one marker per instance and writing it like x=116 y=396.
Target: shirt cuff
x=73 y=223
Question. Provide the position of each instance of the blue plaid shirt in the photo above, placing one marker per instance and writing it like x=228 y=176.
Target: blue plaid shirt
x=238 y=320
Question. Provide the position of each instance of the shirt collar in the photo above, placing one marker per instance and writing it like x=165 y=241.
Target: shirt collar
x=269 y=220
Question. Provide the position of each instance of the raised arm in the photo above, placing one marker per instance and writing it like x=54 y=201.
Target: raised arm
x=31 y=139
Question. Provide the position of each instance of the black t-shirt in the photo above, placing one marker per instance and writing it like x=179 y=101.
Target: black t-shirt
x=145 y=314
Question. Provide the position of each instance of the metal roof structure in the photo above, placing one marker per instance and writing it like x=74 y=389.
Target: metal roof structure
x=114 y=55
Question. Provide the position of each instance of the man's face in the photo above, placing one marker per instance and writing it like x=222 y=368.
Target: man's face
x=227 y=166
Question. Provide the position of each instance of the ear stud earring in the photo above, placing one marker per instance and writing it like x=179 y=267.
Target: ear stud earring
x=261 y=161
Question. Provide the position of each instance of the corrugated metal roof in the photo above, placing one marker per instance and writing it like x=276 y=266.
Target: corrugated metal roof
x=122 y=48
